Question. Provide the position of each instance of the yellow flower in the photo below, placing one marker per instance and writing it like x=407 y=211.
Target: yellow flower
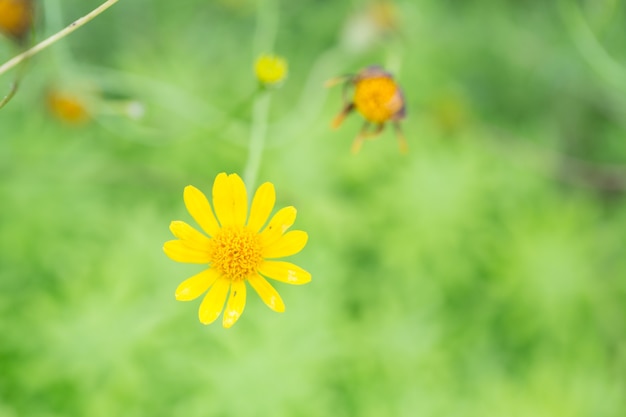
x=270 y=69
x=16 y=18
x=238 y=248
x=67 y=107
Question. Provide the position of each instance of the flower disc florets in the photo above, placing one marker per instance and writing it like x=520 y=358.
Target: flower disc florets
x=236 y=253
x=375 y=99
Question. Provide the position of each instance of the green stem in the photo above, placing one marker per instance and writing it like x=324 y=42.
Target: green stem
x=264 y=38
x=258 y=131
x=12 y=90
x=14 y=85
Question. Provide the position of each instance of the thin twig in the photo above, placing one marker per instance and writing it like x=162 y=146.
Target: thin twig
x=10 y=94
x=57 y=36
x=15 y=85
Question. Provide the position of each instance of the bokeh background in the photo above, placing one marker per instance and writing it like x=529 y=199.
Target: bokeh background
x=481 y=274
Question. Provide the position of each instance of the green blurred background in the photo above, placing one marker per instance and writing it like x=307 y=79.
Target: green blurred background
x=482 y=274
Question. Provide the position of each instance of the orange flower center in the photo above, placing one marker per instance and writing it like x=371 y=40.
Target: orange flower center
x=377 y=98
x=236 y=253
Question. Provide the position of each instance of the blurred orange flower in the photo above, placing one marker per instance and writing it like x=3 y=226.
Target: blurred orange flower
x=378 y=98
x=16 y=18
x=67 y=107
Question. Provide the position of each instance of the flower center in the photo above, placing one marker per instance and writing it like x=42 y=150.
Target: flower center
x=236 y=253
x=376 y=98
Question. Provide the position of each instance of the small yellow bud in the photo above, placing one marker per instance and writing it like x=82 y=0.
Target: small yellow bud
x=270 y=69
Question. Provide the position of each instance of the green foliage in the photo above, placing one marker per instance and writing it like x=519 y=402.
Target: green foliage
x=482 y=274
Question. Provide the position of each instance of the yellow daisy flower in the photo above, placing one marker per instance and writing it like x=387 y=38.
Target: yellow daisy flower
x=270 y=69
x=238 y=249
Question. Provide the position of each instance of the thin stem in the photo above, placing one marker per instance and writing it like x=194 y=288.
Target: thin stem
x=264 y=38
x=57 y=36
x=12 y=90
x=15 y=85
x=260 y=114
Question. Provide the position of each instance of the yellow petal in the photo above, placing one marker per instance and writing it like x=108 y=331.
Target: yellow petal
x=213 y=302
x=240 y=199
x=193 y=287
x=189 y=235
x=288 y=244
x=262 y=206
x=285 y=272
x=200 y=209
x=178 y=251
x=268 y=294
x=236 y=303
x=279 y=224
x=230 y=200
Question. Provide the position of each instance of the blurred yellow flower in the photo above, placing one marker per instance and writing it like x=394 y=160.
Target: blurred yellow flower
x=67 y=107
x=237 y=249
x=270 y=69
x=16 y=18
